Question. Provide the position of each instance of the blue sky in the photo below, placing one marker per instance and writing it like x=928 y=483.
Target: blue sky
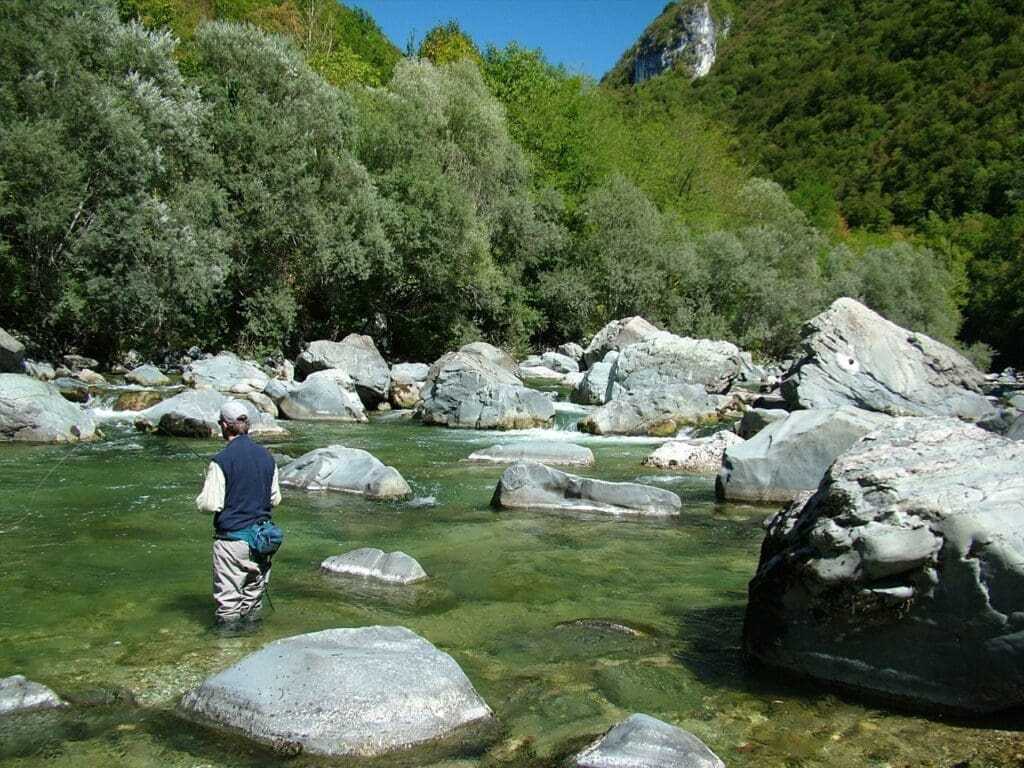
x=585 y=35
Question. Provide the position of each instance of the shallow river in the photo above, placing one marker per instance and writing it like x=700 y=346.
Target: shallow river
x=105 y=589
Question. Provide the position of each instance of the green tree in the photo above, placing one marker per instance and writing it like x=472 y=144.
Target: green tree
x=446 y=44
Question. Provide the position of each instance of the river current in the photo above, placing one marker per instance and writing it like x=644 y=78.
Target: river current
x=105 y=588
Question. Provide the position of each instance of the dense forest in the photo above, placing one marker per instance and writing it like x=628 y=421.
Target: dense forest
x=252 y=174
x=884 y=118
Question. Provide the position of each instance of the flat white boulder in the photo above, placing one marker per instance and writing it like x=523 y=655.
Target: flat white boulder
x=698 y=454
x=349 y=470
x=361 y=692
x=642 y=741
x=529 y=485
x=556 y=452
x=372 y=563
x=18 y=694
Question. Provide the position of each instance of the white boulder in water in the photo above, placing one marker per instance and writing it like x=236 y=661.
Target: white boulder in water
x=358 y=693
x=529 y=485
x=328 y=395
x=642 y=741
x=372 y=563
x=34 y=411
x=196 y=413
x=225 y=372
x=349 y=470
x=358 y=357
x=697 y=454
x=18 y=694
x=556 y=452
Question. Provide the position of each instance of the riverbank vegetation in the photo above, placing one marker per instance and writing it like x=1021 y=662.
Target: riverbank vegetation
x=280 y=173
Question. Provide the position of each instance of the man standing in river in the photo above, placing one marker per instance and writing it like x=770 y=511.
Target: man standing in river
x=240 y=489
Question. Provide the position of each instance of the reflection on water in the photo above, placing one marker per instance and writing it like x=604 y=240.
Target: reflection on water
x=565 y=625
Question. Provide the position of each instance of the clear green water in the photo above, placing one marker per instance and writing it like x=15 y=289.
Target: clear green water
x=105 y=589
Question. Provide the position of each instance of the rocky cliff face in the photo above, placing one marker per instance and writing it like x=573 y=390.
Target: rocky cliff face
x=685 y=35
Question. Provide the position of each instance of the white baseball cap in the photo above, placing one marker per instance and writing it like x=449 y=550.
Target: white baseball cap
x=233 y=412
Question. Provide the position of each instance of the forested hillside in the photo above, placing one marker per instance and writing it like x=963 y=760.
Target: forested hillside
x=253 y=174
x=885 y=117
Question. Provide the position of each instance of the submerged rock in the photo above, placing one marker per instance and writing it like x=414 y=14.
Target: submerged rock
x=901 y=575
x=699 y=454
x=790 y=455
x=641 y=741
x=854 y=356
x=349 y=470
x=18 y=694
x=362 y=693
x=556 y=452
x=372 y=563
x=529 y=485
x=34 y=411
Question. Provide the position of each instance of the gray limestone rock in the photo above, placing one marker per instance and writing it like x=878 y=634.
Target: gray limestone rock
x=12 y=354
x=34 y=411
x=901 y=575
x=358 y=693
x=1016 y=429
x=594 y=387
x=571 y=350
x=529 y=485
x=854 y=356
x=471 y=389
x=616 y=335
x=225 y=372
x=357 y=356
x=663 y=359
x=699 y=454
x=349 y=470
x=372 y=563
x=406 y=382
x=557 y=452
x=755 y=419
x=553 y=361
x=17 y=694
x=328 y=395
x=147 y=376
x=196 y=412
x=791 y=455
x=660 y=412
x=641 y=741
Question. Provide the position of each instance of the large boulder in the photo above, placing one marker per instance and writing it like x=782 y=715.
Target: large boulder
x=12 y=354
x=558 y=452
x=196 y=413
x=373 y=563
x=754 y=420
x=659 y=412
x=854 y=356
x=529 y=485
x=349 y=470
x=550 y=365
x=474 y=389
x=18 y=694
x=324 y=396
x=901 y=575
x=791 y=455
x=663 y=359
x=595 y=386
x=641 y=741
x=147 y=376
x=406 y=382
x=34 y=411
x=357 y=356
x=357 y=693
x=225 y=372
x=695 y=454
x=615 y=336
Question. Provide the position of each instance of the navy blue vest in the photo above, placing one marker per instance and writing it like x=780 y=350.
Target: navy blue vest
x=248 y=471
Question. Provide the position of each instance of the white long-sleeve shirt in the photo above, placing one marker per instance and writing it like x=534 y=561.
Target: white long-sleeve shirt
x=211 y=498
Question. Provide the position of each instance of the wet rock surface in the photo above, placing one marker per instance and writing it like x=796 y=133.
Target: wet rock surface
x=901 y=575
x=349 y=470
x=555 y=452
x=18 y=694
x=372 y=563
x=34 y=411
x=642 y=741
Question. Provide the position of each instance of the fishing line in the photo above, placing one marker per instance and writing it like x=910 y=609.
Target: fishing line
x=53 y=469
